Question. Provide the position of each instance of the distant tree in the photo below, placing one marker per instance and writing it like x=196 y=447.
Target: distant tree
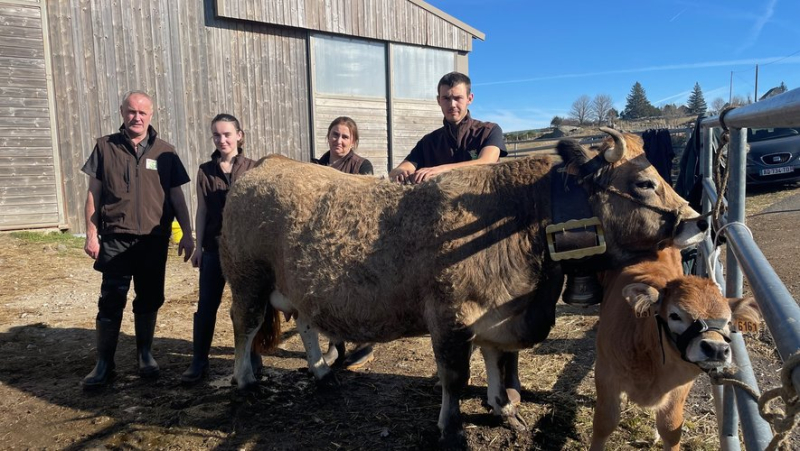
x=637 y=105
x=556 y=121
x=717 y=105
x=612 y=115
x=738 y=100
x=580 y=109
x=696 y=103
x=601 y=104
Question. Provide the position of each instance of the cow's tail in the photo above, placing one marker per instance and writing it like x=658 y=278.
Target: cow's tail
x=268 y=336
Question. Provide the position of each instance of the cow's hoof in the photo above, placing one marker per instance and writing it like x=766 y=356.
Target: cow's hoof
x=515 y=422
x=247 y=386
x=453 y=441
x=328 y=381
x=514 y=396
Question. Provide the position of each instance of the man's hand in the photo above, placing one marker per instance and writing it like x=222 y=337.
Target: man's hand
x=426 y=173
x=197 y=257
x=186 y=247
x=91 y=246
x=400 y=174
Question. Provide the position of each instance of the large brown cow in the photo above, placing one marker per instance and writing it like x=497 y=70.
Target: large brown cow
x=462 y=257
x=656 y=365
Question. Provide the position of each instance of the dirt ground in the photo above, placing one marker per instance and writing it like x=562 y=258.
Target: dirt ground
x=48 y=294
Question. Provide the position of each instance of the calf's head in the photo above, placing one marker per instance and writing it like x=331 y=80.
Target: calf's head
x=639 y=210
x=694 y=317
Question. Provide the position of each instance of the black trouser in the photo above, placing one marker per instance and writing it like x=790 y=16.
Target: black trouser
x=212 y=283
x=123 y=258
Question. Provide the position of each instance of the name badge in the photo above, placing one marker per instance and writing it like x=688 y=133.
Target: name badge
x=151 y=164
x=473 y=154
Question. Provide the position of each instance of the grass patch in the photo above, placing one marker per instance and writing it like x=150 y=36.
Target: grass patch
x=67 y=239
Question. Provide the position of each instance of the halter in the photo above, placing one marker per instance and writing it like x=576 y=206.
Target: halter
x=682 y=341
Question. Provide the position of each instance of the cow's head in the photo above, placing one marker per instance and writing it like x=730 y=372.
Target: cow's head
x=694 y=317
x=639 y=210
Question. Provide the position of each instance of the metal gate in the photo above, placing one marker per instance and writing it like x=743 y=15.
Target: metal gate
x=734 y=405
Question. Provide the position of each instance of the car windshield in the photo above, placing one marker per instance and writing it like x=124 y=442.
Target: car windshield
x=761 y=134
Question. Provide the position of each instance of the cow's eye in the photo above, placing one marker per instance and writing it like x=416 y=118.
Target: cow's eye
x=646 y=185
x=674 y=317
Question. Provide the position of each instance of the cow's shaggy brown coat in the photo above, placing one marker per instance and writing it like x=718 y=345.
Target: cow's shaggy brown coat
x=462 y=257
x=629 y=350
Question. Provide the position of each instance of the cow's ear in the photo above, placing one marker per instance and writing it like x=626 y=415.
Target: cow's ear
x=643 y=298
x=573 y=154
x=746 y=316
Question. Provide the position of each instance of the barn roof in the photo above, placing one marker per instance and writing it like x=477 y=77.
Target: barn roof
x=409 y=21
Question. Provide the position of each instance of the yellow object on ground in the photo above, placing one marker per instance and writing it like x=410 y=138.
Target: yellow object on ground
x=177 y=233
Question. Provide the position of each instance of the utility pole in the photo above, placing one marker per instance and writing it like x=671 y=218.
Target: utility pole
x=755 y=96
x=730 y=93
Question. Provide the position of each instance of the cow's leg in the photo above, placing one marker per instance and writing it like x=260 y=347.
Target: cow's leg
x=316 y=362
x=247 y=313
x=607 y=407
x=669 y=417
x=496 y=391
x=452 y=348
x=510 y=364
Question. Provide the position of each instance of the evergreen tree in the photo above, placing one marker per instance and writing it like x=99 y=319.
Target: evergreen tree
x=638 y=106
x=696 y=103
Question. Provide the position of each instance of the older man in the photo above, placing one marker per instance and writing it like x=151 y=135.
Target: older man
x=134 y=194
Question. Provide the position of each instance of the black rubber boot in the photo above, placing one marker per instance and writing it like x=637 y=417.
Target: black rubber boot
x=145 y=325
x=582 y=289
x=202 y=336
x=107 y=336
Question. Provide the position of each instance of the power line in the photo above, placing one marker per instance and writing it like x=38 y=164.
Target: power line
x=766 y=64
x=780 y=59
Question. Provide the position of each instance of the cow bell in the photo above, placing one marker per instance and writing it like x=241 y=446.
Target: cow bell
x=582 y=289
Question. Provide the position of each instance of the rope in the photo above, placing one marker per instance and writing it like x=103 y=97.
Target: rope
x=782 y=422
x=721 y=174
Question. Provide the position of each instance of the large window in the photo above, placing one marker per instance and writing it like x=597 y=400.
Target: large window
x=417 y=70
x=351 y=67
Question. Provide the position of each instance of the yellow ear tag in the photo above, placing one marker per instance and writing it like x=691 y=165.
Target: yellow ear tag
x=747 y=326
x=650 y=312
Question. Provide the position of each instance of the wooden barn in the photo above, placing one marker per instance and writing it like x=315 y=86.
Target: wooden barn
x=285 y=68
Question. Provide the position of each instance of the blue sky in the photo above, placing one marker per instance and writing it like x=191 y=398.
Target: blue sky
x=540 y=56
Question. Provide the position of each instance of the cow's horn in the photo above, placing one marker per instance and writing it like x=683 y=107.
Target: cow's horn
x=615 y=153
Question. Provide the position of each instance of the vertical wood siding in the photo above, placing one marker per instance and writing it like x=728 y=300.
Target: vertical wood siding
x=192 y=63
x=413 y=119
x=29 y=194
x=385 y=20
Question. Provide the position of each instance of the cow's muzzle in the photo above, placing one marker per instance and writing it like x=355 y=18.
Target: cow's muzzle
x=683 y=340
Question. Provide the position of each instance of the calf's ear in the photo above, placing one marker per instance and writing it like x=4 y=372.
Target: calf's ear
x=643 y=299
x=745 y=314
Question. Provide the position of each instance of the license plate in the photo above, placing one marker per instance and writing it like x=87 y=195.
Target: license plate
x=773 y=171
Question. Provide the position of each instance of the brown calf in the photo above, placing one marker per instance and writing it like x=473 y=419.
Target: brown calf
x=642 y=349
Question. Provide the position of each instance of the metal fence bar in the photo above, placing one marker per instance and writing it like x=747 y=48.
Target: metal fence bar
x=778 y=307
x=778 y=111
x=755 y=430
x=728 y=421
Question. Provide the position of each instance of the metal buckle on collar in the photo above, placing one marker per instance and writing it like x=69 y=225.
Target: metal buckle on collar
x=587 y=229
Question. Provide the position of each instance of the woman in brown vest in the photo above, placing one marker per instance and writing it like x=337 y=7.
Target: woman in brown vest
x=214 y=179
x=342 y=141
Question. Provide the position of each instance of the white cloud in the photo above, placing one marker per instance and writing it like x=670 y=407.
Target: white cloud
x=684 y=66
x=761 y=20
